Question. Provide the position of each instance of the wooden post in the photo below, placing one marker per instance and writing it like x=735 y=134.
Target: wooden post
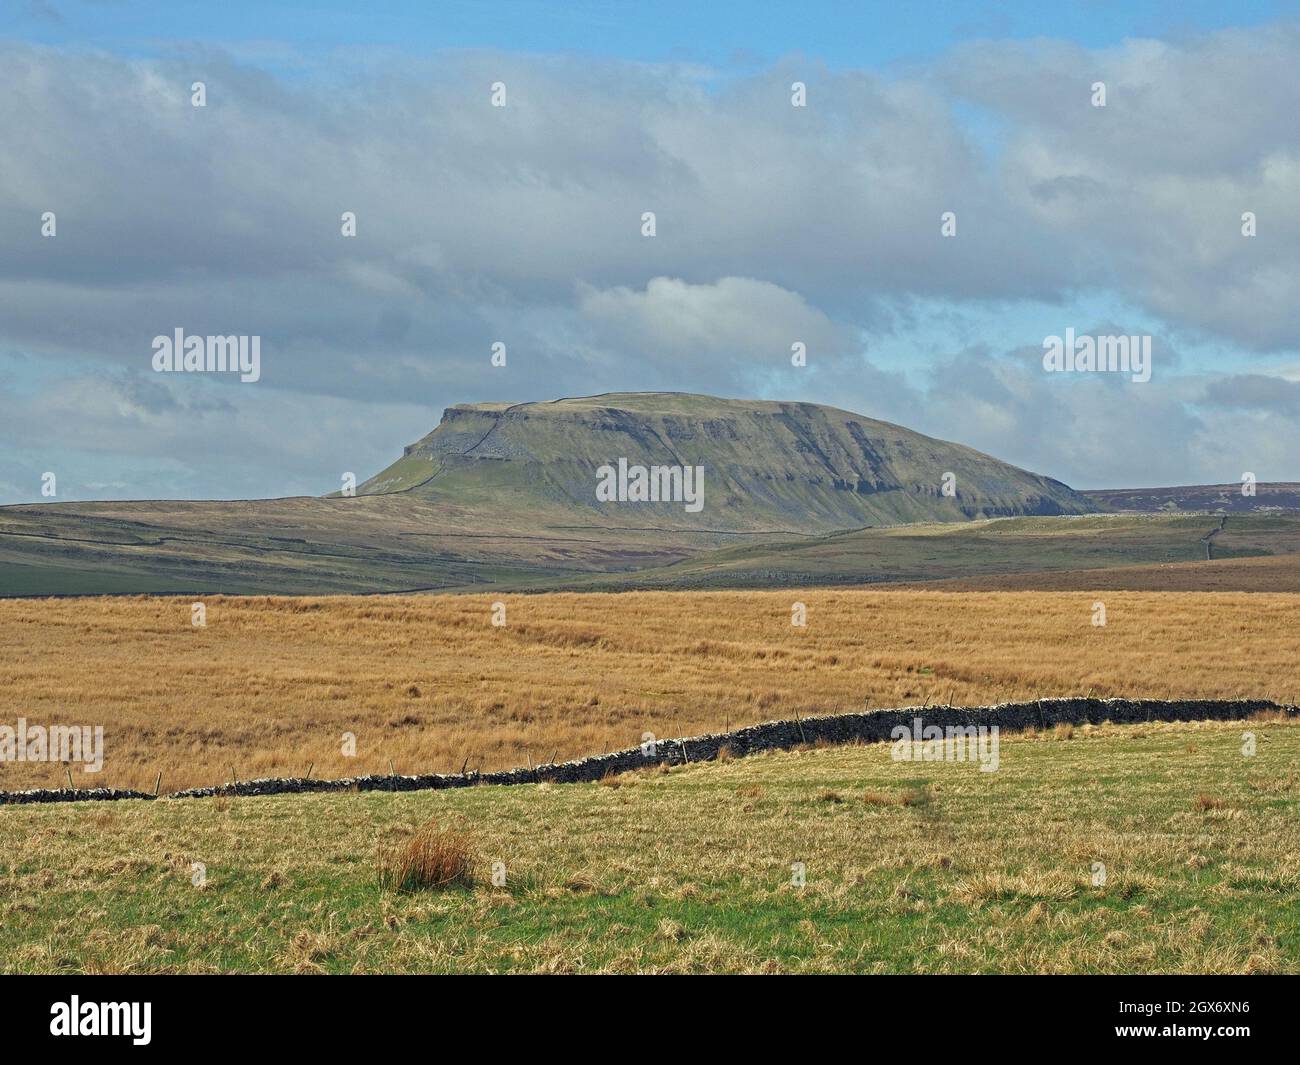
x=157 y=784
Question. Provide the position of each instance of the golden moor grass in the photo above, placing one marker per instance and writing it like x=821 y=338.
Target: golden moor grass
x=273 y=686
x=433 y=857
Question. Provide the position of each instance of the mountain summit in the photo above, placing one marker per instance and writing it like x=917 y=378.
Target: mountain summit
x=767 y=466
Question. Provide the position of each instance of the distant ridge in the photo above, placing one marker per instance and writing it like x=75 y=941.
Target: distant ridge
x=1200 y=498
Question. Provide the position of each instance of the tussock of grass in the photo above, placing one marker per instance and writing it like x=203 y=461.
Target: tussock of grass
x=433 y=857
x=1028 y=887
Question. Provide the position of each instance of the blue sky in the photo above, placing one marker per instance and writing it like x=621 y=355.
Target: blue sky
x=722 y=33
x=521 y=225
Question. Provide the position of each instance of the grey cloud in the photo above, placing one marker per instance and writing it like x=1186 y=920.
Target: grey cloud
x=1260 y=392
x=1147 y=193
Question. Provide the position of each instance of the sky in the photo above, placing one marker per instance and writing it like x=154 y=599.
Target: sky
x=523 y=225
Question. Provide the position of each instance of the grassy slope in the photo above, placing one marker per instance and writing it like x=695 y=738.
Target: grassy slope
x=303 y=546
x=402 y=543
x=973 y=550
x=1277 y=573
x=690 y=870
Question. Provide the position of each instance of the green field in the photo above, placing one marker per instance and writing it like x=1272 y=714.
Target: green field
x=910 y=867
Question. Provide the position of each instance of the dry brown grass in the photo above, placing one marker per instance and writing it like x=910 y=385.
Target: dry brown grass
x=270 y=685
x=434 y=857
x=880 y=798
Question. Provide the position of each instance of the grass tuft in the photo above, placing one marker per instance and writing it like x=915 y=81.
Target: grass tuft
x=432 y=858
x=880 y=798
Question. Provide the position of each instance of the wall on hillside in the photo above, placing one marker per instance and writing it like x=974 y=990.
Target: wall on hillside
x=873 y=726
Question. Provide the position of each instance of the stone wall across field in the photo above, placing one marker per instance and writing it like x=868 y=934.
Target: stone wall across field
x=873 y=726
x=70 y=795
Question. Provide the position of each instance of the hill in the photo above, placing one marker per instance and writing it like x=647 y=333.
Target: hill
x=768 y=466
x=506 y=495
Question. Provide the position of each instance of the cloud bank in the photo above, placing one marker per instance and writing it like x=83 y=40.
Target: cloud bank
x=522 y=225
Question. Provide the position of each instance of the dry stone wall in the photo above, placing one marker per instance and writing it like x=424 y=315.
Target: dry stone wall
x=874 y=726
